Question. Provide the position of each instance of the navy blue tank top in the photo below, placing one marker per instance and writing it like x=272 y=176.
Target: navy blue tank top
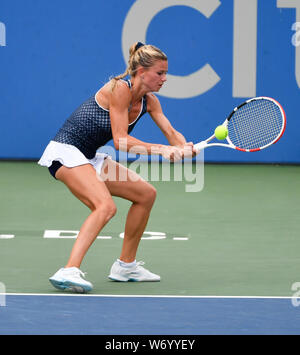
x=89 y=127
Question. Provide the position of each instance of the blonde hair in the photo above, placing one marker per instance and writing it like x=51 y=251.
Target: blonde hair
x=140 y=54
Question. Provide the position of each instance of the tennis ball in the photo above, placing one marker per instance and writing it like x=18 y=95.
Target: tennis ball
x=221 y=132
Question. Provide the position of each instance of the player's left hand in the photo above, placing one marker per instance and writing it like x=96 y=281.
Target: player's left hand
x=189 y=150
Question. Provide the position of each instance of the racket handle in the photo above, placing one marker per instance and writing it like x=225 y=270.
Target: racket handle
x=201 y=145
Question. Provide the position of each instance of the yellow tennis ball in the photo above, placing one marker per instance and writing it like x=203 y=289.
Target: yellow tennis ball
x=221 y=132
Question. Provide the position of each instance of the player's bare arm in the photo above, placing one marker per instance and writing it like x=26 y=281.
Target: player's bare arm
x=120 y=100
x=174 y=137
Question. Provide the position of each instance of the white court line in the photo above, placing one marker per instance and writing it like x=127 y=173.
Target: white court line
x=143 y=296
x=7 y=236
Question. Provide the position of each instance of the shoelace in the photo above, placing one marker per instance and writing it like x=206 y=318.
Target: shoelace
x=80 y=273
x=140 y=263
x=135 y=270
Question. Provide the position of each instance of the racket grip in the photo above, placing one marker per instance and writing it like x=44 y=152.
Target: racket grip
x=201 y=145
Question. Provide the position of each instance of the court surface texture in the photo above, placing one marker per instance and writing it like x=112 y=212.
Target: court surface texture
x=228 y=256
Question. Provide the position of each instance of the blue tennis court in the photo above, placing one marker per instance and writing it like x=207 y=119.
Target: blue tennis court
x=138 y=315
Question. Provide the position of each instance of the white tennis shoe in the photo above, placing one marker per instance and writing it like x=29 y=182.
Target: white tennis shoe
x=71 y=279
x=135 y=273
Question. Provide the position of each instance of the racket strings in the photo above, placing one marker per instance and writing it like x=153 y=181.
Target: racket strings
x=255 y=125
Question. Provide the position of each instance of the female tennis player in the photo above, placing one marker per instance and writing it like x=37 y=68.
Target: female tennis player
x=94 y=178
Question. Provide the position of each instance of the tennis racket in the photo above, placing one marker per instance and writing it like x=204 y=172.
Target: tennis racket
x=252 y=126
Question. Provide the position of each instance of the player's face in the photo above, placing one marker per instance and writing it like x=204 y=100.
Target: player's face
x=155 y=76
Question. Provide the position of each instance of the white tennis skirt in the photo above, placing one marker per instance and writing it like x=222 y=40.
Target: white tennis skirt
x=69 y=156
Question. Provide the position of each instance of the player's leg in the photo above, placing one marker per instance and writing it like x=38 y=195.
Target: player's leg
x=126 y=184
x=84 y=184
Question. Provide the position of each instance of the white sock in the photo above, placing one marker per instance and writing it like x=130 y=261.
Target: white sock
x=127 y=265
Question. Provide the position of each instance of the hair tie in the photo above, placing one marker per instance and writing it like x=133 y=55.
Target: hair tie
x=139 y=45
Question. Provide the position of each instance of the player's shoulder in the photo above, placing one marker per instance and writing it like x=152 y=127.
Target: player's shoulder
x=151 y=97
x=119 y=86
x=152 y=102
x=120 y=92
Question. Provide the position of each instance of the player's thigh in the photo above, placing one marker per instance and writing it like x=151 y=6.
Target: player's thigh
x=84 y=183
x=125 y=183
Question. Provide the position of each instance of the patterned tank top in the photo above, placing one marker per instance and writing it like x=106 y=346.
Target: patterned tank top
x=89 y=127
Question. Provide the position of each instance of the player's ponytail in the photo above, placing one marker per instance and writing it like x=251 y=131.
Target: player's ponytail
x=140 y=54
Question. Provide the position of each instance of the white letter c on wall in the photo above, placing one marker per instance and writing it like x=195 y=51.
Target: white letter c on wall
x=135 y=28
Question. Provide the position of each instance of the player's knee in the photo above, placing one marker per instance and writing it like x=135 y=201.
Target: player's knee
x=149 y=195
x=110 y=210
x=106 y=209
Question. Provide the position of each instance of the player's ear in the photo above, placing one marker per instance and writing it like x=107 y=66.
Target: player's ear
x=140 y=71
